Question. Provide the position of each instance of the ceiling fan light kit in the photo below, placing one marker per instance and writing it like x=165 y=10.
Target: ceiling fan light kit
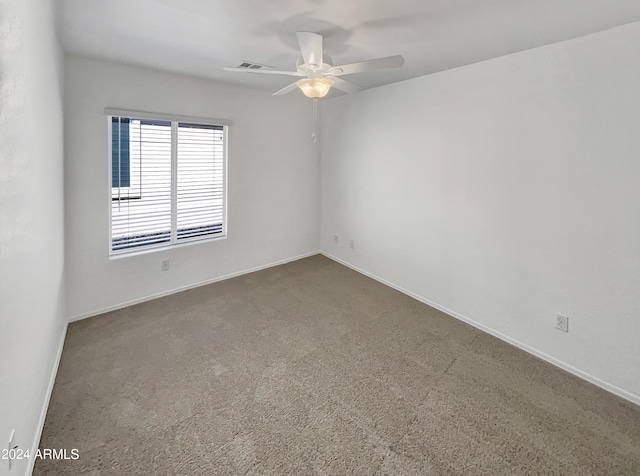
x=315 y=88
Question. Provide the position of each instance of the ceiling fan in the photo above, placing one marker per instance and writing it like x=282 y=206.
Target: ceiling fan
x=318 y=72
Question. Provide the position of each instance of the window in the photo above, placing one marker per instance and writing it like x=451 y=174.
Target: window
x=167 y=181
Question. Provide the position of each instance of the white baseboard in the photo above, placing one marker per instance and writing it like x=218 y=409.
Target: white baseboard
x=185 y=288
x=552 y=360
x=45 y=404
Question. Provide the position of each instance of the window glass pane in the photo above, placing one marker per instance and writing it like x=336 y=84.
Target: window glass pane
x=145 y=219
x=200 y=180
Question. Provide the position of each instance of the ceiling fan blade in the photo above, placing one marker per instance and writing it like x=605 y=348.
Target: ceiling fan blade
x=344 y=86
x=311 y=47
x=262 y=71
x=286 y=89
x=370 y=65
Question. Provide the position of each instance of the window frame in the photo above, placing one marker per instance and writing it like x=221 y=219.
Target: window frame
x=175 y=120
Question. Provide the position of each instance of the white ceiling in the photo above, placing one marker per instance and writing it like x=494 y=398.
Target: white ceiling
x=199 y=37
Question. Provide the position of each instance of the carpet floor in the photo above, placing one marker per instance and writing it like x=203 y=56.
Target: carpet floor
x=311 y=368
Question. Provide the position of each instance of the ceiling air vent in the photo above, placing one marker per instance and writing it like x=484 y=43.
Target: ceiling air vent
x=252 y=65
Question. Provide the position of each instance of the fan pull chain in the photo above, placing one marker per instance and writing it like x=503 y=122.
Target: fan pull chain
x=315 y=119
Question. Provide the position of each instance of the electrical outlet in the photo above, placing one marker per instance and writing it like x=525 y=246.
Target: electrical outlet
x=165 y=265
x=335 y=238
x=11 y=446
x=562 y=323
x=352 y=244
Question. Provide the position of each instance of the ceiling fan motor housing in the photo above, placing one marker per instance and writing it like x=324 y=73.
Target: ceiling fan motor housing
x=315 y=71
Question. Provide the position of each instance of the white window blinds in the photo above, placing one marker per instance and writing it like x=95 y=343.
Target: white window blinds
x=168 y=182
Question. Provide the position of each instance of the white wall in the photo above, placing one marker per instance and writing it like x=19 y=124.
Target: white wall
x=505 y=191
x=32 y=314
x=273 y=201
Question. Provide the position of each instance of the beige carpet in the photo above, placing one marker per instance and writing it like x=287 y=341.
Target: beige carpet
x=311 y=368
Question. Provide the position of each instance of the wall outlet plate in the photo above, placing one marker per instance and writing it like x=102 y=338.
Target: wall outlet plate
x=165 y=265
x=562 y=323
x=352 y=244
